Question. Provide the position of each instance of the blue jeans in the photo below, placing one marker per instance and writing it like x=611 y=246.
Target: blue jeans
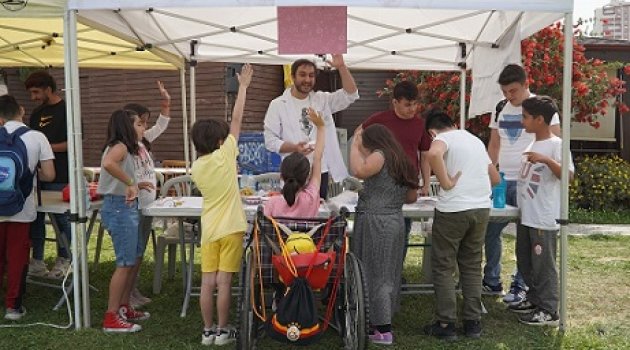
x=493 y=246
x=38 y=227
x=122 y=220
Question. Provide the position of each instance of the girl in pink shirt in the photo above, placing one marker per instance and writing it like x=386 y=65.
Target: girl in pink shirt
x=299 y=198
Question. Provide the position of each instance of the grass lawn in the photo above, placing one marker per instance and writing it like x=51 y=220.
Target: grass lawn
x=599 y=315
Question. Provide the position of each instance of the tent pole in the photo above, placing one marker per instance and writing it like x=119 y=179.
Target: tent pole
x=73 y=109
x=462 y=86
x=462 y=98
x=566 y=137
x=182 y=83
x=193 y=100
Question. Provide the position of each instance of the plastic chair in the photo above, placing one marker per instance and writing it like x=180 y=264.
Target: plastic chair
x=180 y=186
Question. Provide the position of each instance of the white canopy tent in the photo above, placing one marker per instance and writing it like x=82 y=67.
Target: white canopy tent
x=404 y=34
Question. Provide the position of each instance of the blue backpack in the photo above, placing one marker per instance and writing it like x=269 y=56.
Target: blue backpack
x=16 y=178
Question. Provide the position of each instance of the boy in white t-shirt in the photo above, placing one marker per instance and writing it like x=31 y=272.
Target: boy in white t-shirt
x=461 y=164
x=14 y=230
x=508 y=140
x=539 y=201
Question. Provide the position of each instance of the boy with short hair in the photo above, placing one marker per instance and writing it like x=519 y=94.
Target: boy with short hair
x=508 y=140
x=223 y=220
x=539 y=201
x=461 y=164
x=14 y=230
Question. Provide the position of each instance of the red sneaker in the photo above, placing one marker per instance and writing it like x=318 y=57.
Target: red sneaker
x=130 y=314
x=113 y=323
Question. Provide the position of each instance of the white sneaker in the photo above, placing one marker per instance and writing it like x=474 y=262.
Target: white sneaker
x=37 y=268
x=59 y=270
x=225 y=336
x=207 y=337
x=15 y=314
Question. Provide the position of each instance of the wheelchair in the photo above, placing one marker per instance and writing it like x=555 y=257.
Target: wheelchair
x=348 y=314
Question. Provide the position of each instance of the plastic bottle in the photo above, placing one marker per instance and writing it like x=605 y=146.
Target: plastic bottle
x=498 y=193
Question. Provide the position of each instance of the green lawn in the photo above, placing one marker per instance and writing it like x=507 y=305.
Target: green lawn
x=598 y=310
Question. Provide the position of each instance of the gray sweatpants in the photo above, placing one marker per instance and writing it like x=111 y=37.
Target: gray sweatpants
x=457 y=240
x=536 y=260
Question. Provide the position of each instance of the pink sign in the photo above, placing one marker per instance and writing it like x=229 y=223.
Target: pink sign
x=312 y=30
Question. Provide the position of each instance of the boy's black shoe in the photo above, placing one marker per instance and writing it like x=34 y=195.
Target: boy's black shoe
x=472 y=328
x=437 y=330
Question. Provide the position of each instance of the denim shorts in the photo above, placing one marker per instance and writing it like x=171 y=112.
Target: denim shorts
x=121 y=220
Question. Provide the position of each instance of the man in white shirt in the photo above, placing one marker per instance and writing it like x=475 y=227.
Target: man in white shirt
x=288 y=129
x=14 y=230
x=508 y=141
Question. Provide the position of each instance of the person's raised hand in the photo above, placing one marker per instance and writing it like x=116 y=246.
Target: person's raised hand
x=166 y=97
x=336 y=61
x=315 y=117
x=245 y=76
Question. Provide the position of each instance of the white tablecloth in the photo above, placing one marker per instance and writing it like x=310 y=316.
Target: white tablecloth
x=422 y=209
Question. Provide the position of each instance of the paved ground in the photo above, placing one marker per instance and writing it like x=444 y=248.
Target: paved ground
x=574 y=229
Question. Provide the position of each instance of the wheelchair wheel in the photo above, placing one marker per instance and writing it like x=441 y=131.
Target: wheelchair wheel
x=248 y=321
x=355 y=306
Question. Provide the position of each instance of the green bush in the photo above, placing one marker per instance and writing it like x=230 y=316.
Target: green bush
x=601 y=183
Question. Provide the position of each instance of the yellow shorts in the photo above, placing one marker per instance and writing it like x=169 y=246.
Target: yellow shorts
x=222 y=255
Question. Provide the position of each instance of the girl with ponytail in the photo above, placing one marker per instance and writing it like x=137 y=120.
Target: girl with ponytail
x=300 y=193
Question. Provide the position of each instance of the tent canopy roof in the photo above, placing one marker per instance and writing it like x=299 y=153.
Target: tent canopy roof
x=33 y=37
x=407 y=34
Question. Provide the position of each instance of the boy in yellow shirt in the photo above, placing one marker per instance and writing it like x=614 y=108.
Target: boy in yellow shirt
x=223 y=220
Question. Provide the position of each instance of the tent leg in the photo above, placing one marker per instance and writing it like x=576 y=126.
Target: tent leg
x=566 y=137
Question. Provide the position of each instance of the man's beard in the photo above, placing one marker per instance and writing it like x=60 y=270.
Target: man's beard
x=304 y=89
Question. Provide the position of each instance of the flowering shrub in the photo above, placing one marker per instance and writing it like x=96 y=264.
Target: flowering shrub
x=600 y=183
x=542 y=59
x=542 y=56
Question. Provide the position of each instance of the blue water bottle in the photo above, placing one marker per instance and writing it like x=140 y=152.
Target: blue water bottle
x=498 y=193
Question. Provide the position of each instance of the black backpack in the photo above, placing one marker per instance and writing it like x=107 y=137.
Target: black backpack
x=296 y=320
x=498 y=108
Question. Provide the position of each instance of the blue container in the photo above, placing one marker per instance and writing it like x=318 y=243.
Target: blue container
x=254 y=157
x=499 y=192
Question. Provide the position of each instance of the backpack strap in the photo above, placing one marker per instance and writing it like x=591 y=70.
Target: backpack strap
x=20 y=131
x=498 y=108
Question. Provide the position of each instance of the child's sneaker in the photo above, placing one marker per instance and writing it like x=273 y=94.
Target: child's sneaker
x=136 y=299
x=37 y=268
x=208 y=336
x=472 y=328
x=516 y=295
x=487 y=289
x=62 y=265
x=437 y=330
x=130 y=314
x=15 y=314
x=225 y=336
x=540 y=317
x=377 y=337
x=113 y=323
x=524 y=307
